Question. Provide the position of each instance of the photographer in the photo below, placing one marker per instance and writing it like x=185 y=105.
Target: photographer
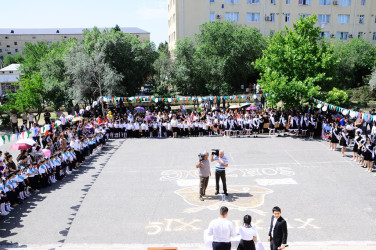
x=220 y=167
x=204 y=172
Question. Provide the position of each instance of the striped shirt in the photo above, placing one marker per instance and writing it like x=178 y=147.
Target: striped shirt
x=218 y=166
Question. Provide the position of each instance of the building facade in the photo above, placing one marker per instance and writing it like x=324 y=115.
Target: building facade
x=340 y=19
x=12 y=41
x=8 y=77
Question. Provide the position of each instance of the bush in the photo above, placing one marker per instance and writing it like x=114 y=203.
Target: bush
x=337 y=97
x=361 y=95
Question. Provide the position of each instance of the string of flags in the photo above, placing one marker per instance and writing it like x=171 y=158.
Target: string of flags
x=352 y=113
x=182 y=98
x=5 y=139
x=139 y=99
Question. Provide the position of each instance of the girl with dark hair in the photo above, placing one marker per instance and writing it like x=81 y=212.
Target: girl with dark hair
x=248 y=235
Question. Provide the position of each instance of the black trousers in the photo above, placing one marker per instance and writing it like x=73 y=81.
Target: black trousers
x=273 y=246
x=220 y=175
x=221 y=245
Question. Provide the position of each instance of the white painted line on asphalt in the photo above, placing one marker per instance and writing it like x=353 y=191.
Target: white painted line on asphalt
x=232 y=158
x=292 y=157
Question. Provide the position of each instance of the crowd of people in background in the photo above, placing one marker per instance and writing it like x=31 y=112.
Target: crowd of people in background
x=69 y=143
x=34 y=168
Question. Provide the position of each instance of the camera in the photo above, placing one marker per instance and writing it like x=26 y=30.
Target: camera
x=215 y=152
x=201 y=156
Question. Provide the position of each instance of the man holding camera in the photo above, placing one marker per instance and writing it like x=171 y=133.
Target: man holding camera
x=204 y=172
x=220 y=167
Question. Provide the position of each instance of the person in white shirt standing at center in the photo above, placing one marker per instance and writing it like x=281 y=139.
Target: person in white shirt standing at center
x=222 y=230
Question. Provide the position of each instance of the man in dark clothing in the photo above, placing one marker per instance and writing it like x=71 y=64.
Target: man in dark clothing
x=277 y=231
x=47 y=117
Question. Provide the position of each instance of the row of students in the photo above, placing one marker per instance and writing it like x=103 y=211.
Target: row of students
x=38 y=171
x=211 y=124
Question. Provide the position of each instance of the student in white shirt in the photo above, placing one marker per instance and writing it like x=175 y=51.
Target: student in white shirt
x=222 y=230
x=30 y=118
x=248 y=235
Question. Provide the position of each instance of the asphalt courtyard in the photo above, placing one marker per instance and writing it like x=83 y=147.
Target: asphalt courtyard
x=141 y=193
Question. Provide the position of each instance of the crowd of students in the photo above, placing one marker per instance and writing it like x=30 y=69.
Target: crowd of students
x=70 y=144
x=52 y=157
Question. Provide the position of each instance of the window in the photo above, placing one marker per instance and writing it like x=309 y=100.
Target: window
x=272 y=1
x=342 y=35
x=1 y=50
x=272 y=33
x=15 y=43
x=344 y=2
x=272 y=17
x=33 y=37
x=253 y=1
x=6 y=37
x=232 y=16
x=324 y=18
x=16 y=50
x=288 y=1
x=304 y=15
x=253 y=17
x=212 y=16
x=360 y=34
x=8 y=46
x=232 y=1
x=374 y=36
x=363 y=2
x=9 y=53
x=343 y=18
x=287 y=17
x=361 y=19
x=324 y=2
x=304 y=2
x=324 y=34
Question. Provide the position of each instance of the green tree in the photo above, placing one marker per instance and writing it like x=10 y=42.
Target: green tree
x=224 y=55
x=183 y=71
x=337 y=97
x=53 y=71
x=372 y=81
x=116 y=28
x=357 y=59
x=162 y=72
x=296 y=64
x=91 y=75
x=127 y=55
x=10 y=59
x=33 y=55
x=30 y=95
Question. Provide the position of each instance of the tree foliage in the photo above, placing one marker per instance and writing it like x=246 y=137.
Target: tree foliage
x=91 y=75
x=10 y=59
x=296 y=64
x=337 y=97
x=30 y=95
x=357 y=60
x=218 y=61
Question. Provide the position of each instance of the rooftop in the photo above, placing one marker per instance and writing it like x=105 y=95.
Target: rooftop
x=12 y=67
x=63 y=31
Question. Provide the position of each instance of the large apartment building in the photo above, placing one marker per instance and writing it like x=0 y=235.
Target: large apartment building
x=340 y=19
x=12 y=41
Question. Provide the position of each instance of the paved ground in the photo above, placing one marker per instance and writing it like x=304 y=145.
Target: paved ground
x=144 y=192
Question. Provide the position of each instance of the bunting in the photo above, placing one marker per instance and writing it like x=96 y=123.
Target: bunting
x=344 y=111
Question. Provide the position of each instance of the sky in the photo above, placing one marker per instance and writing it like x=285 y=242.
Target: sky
x=149 y=15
